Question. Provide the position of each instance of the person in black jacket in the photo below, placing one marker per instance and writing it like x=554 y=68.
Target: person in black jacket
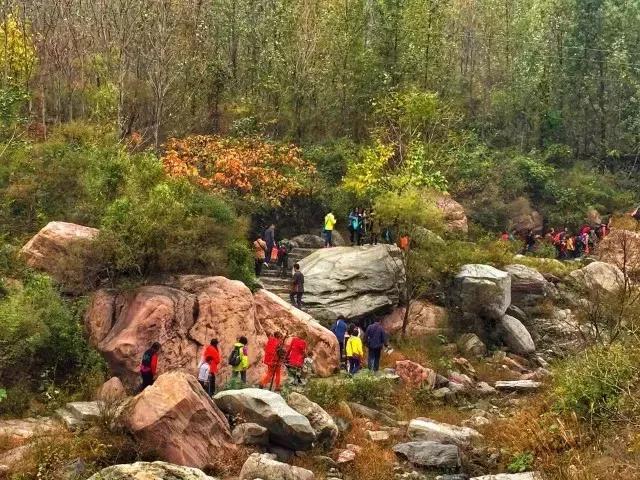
x=375 y=338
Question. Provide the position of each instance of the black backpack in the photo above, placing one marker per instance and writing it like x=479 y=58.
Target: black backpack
x=146 y=358
x=235 y=357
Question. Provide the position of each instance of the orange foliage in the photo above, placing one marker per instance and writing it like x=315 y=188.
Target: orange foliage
x=251 y=167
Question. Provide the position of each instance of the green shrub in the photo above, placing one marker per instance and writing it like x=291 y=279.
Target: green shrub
x=523 y=462
x=240 y=262
x=595 y=383
x=326 y=393
x=369 y=389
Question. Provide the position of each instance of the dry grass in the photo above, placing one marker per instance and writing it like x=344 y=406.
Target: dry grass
x=229 y=462
x=375 y=461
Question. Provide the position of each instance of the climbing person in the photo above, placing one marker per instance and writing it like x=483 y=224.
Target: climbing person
x=239 y=359
x=352 y=225
x=204 y=374
x=297 y=286
x=569 y=246
x=260 y=248
x=375 y=339
x=529 y=242
x=295 y=357
x=339 y=329
x=329 y=224
x=354 y=351
x=270 y=240
x=283 y=259
x=212 y=351
x=405 y=242
x=273 y=358
x=361 y=234
x=149 y=365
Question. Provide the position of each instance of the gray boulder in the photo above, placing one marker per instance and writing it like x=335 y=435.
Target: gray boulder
x=431 y=430
x=250 y=434
x=518 y=385
x=151 y=471
x=321 y=422
x=308 y=240
x=598 y=277
x=470 y=345
x=528 y=286
x=265 y=467
x=430 y=454
x=286 y=426
x=482 y=290
x=352 y=281
x=510 y=476
x=516 y=336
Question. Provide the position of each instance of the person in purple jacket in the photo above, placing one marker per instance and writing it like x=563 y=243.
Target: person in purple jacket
x=375 y=339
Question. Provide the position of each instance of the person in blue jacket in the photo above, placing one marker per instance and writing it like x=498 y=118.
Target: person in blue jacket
x=339 y=329
x=375 y=339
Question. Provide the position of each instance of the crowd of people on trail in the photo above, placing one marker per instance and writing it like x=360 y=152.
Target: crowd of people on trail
x=568 y=245
x=352 y=340
x=277 y=355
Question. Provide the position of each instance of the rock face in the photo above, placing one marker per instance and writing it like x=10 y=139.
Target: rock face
x=286 y=426
x=250 y=434
x=176 y=410
x=470 y=344
x=186 y=313
x=622 y=249
x=430 y=430
x=415 y=374
x=321 y=422
x=111 y=390
x=150 y=471
x=598 y=277
x=352 y=281
x=528 y=286
x=424 y=319
x=430 y=454
x=482 y=290
x=19 y=431
x=308 y=241
x=516 y=336
x=264 y=467
x=56 y=244
x=454 y=216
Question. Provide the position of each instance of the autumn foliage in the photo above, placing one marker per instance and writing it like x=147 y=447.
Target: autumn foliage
x=251 y=167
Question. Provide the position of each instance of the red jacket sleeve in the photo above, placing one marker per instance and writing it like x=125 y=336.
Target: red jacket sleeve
x=215 y=361
x=154 y=364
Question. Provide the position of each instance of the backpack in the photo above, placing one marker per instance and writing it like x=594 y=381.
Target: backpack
x=146 y=359
x=235 y=357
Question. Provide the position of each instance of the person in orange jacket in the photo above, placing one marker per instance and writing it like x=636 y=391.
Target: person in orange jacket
x=149 y=365
x=296 y=354
x=213 y=353
x=273 y=356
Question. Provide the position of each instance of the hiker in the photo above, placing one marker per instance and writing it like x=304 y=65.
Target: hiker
x=352 y=225
x=361 y=233
x=354 y=351
x=529 y=242
x=339 y=329
x=504 y=236
x=296 y=354
x=212 y=352
x=204 y=374
x=375 y=339
x=239 y=359
x=569 y=246
x=283 y=259
x=270 y=240
x=297 y=286
x=374 y=227
x=329 y=224
x=405 y=242
x=273 y=357
x=260 y=248
x=149 y=365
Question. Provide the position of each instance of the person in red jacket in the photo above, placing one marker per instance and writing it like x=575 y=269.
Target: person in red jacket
x=213 y=353
x=149 y=365
x=296 y=354
x=273 y=361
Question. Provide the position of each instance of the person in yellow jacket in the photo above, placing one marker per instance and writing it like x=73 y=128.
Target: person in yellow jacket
x=240 y=370
x=329 y=223
x=354 y=351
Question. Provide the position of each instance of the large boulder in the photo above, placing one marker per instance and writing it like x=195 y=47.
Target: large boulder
x=321 y=422
x=265 y=467
x=21 y=430
x=352 y=281
x=286 y=426
x=111 y=391
x=528 y=286
x=308 y=241
x=482 y=290
x=470 y=345
x=431 y=430
x=185 y=313
x=177 y=411
x=622 y=249
x=424 y=319
x=516 y=336
x=428 y=454
x=454 y=216
x=250 y=434
x=150 y=471
x=598 y=278
x=57 y=246
x=415 y=375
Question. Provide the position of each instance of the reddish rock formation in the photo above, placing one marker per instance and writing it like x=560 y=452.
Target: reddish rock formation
x=454 y=216
x=111 y=390
x=189 y=311
x=179 y=420
x=424 y=319
x=415 y=374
